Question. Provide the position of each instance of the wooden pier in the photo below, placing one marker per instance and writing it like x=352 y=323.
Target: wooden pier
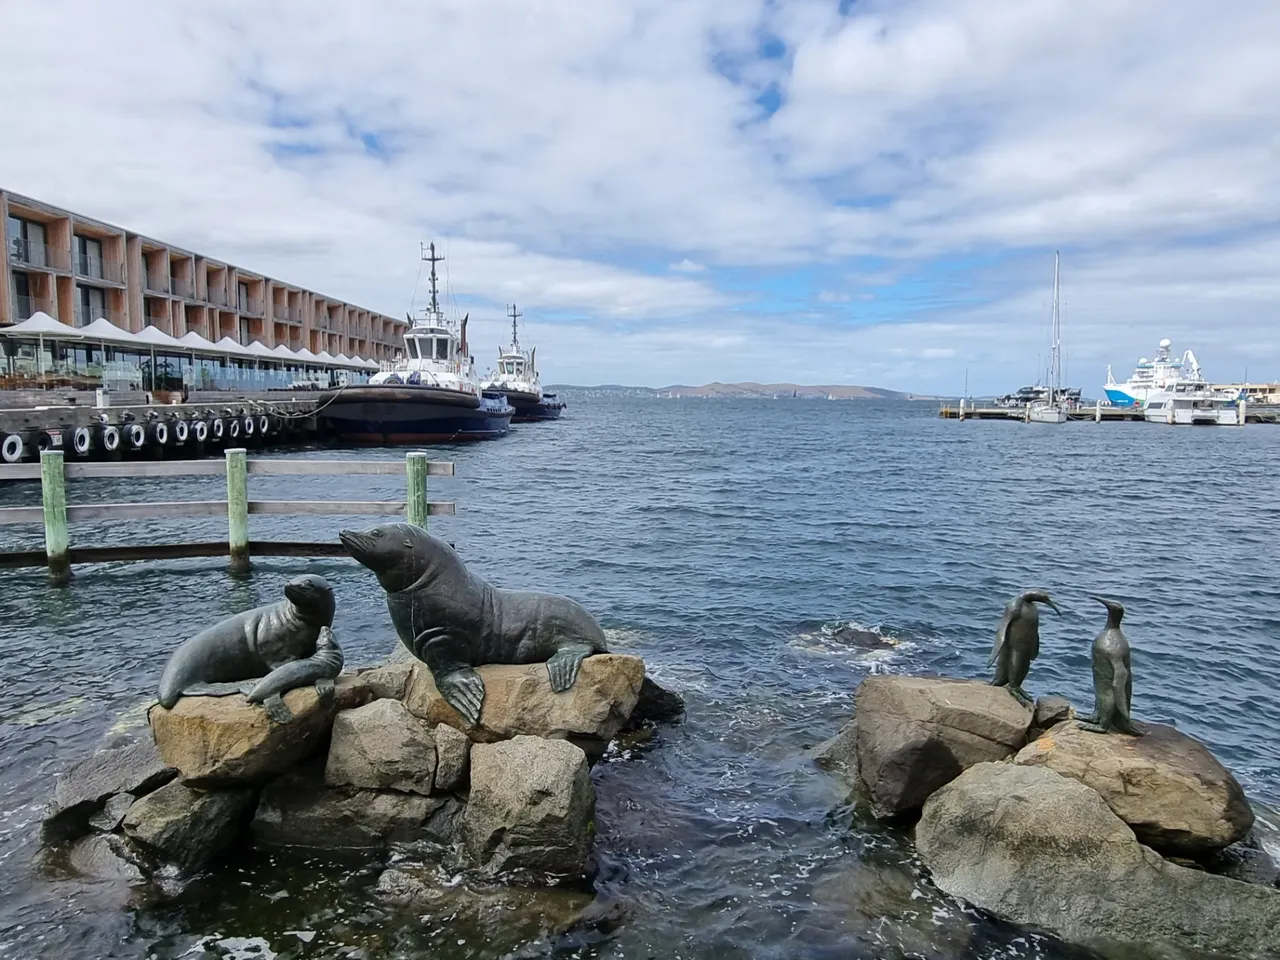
x=1252 y=413
x=55 y=513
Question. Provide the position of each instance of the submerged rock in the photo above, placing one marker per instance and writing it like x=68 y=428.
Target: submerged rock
x=112 y=813
x=656 y=704
x=82 y=789
x=531 y=807
x=519 y=701
x=381 y=746
x=227 y=740
x=915 y=734
x=188 y=827
x=1037 y=848
x=298 y=810
x=1165 y=785
x=1245 y=860
x=105 y=856
x=840 y=753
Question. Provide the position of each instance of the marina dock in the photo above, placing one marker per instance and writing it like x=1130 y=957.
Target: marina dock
x=1253 y=413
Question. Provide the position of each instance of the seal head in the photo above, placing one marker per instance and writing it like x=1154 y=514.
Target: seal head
x=394 y=552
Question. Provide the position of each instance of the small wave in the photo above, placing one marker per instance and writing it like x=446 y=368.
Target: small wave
x=848 y=638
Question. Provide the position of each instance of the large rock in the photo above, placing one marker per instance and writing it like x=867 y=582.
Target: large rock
x=840 y=753
x=105 y=856
x=519 y=701
x=453 y=758
x=531 y=807
x=298 y=810
x=656 y=704
x=225 y=740
x=1044 y=850
x=1168 y=787
x=381 y=746
x=917 y=733
x=188 y=827
x=83 y=789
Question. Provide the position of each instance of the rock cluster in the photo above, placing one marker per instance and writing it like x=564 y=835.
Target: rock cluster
x=384 y=761
x=1027 y=816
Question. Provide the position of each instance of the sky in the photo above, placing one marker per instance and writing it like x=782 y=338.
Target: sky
x=681 y=191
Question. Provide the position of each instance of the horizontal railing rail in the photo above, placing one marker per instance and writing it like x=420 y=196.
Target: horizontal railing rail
x=55 y=513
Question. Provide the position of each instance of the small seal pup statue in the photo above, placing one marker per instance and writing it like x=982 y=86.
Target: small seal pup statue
x=321 y=669
x=453 y=621
x=1018 y=642
x=1112 y=679
x=251 y=644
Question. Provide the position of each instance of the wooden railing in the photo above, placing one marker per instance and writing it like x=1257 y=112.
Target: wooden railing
x=55 y=513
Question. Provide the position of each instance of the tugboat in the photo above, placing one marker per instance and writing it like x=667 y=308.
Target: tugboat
x=517 y=379
x=430 y=395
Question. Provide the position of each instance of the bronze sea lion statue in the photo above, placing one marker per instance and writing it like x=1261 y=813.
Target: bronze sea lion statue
x=1112 y=678
x=253 y=644
x=453 y=621
x=1018 y=642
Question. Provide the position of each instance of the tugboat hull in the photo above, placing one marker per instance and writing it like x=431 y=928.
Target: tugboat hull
x=548 y=408
x=392 y=415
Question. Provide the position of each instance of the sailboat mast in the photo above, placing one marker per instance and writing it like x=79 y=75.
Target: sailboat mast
x=1055 y=365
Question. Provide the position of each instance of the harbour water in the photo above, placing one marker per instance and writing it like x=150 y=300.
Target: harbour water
x=716 y=539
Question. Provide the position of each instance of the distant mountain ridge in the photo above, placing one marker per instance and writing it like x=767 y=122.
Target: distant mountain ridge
x=760 y=391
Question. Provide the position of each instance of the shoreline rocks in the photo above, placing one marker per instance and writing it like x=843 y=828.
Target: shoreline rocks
x=381 y=746
x=915 y=734
x=1167 y=787
x=84 y=789
x=1037 y=848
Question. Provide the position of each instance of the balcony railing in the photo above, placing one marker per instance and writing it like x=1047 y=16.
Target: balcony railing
x=217 y=295
x=156 y=284
x=251 y=307
x=85 y=316
x=182 y=288
x=26 y=307
x=96 y=268
x=38 y=255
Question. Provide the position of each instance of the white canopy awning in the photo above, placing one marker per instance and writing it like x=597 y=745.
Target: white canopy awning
x=227 y=345
x=283 y=352
x=106 y=331
x=40 y=324
x=306 y=355
x=193 y=341
x=324 y=356
x=260 y=349
x=155 y=337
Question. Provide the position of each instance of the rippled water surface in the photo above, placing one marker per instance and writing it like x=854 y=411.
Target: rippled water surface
x=715 y=539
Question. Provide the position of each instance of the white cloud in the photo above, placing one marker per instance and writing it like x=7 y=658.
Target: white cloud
x=607 y=166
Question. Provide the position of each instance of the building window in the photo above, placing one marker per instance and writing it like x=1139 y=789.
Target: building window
x=24 y=305
x=89 y=257
x=244 y=296
x=244 y=328
x=90 y=305
x=26 y=241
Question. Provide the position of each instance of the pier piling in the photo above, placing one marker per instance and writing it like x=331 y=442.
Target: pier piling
x=238 y=510
x=415 y=471
x=54 y=495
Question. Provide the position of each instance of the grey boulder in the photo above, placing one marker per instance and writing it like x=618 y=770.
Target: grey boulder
x=453 y=758
x=381 y=746
x=531 y=807
x=1046 y=851
x=82 y=790
x=915 y=734
x=186 y=826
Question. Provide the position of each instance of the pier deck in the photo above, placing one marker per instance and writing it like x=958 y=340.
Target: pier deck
x=1255 y=413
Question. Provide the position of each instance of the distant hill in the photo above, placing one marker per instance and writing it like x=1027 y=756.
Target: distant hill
x=758 y=391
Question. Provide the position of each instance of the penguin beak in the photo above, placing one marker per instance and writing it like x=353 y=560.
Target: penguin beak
x=1054 y=605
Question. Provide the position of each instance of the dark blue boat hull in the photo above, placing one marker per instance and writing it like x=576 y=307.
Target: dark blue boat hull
x=549 y=409
x=368 y=415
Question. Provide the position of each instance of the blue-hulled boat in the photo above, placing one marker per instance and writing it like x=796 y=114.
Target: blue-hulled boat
x=431 y=395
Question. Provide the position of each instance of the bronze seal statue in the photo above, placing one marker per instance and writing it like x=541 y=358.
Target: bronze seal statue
x=253 y=644
x=1112 y=678
x=1018 y=642
x=453 y=621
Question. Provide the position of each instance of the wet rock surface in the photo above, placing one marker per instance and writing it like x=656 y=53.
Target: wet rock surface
x=381 y=746
x=186 y=826
x=82 y=790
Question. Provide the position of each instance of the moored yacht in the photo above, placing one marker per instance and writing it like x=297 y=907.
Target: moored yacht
x=429 y=395
x=1161 y=373
x=516 y=378
x=1191 y=403
x=1052 y=409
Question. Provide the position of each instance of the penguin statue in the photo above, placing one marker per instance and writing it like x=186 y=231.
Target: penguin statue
x=1112 y=679
x=1018 y=642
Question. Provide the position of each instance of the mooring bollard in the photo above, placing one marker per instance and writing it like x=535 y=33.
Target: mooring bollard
x=1243 y=412
x=1097 y=411
x=53 y=491
x=415 y=476
x=238 y=510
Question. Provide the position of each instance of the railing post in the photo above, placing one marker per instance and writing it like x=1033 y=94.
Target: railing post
x=1243 y=411
x=238 y=510
x=415 y=474
x=54 y=493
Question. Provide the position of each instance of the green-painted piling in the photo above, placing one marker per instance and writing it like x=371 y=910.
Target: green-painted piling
x=238 y=510
x=54 y=493
x=415 y=472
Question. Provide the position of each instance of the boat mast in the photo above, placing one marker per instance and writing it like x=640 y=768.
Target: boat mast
x=1055 y=364
x=433 y=260
x=515 y=342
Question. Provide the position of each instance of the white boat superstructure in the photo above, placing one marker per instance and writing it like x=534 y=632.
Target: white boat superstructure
x=435 y=348
x=516 y=374
x=1191 y=404
x=1163 y=372
x=1051 y=409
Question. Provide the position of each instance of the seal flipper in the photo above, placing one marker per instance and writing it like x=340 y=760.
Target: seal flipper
x=463 y=690
x=325 y=690
x=277 y=709
x=218 y=689
x=562 y=668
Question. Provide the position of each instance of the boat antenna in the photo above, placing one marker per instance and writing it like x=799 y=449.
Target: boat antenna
x=515 y=342
x=433 y=260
